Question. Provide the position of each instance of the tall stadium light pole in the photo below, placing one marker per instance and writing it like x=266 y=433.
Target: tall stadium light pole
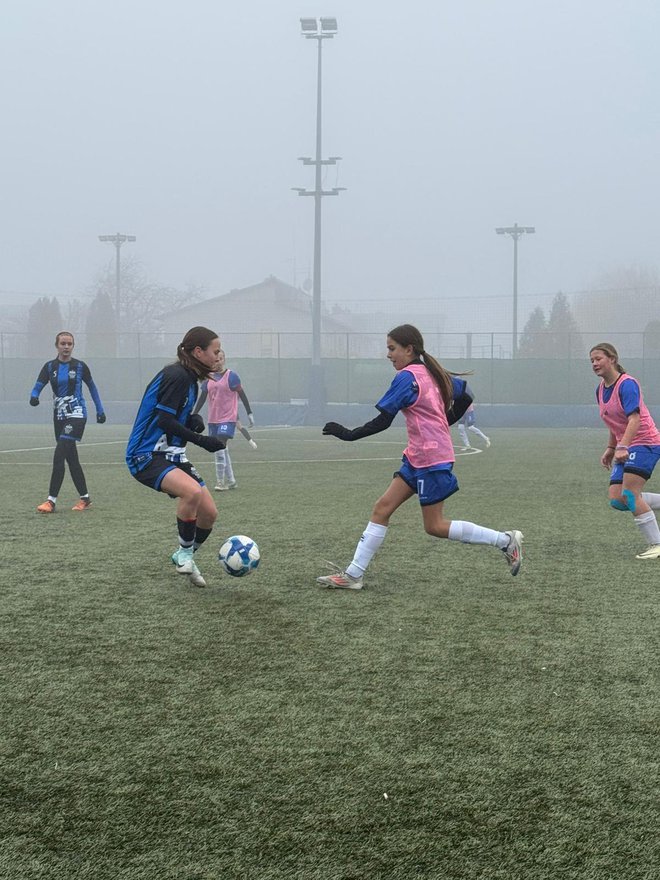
x=118 y=240
x=319 y=30
x=515 y=232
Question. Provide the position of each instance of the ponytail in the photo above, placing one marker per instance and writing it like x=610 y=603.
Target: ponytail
x=406 y=334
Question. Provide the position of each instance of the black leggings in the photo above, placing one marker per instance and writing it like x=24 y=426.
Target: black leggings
x=67 y=451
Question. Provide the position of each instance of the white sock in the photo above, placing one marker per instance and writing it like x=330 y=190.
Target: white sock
x=469 y=533
x=53 y=498
x=372 y=537
x=220 y=465
x=652 y=499
x=464 y=436
x=229 y=470
x=476 y=431
x=648 y=526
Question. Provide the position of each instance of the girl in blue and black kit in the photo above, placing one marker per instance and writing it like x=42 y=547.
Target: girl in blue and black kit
x=156 y=453
x=66 y=375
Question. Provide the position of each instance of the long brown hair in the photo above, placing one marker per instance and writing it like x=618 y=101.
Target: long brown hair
x=610 y=351
x=406 y=334
x=196 y=336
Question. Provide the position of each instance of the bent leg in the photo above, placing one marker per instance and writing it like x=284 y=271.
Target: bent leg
x=374 y=534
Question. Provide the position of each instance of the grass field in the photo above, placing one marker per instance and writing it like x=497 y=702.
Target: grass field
x=447 y=722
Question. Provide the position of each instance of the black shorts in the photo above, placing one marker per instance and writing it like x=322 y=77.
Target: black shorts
x=69 y=429
x=152 y=475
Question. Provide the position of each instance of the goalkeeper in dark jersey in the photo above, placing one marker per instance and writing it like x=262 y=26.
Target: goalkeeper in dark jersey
x=66 y=375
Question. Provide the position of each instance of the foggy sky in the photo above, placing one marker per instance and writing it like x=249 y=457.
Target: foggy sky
x=182 y=124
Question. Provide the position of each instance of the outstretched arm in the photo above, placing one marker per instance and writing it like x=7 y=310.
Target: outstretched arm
x=382 y=421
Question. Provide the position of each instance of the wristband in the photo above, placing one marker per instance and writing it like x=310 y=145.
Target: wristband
x=621 y=447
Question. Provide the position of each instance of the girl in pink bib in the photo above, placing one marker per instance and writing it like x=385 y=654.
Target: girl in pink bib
x=431 y=399
x=633 y=445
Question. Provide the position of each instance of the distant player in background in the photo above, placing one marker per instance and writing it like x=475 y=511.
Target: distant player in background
x=156 y=450
x=467 y=423
x=66 y=375
x=431 y=399
x=633 y=445
x=223 y=390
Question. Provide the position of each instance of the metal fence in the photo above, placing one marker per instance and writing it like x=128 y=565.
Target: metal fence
x=276 y=367
x=491 y=346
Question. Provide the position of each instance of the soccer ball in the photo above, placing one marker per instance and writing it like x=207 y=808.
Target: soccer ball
x=239 y=555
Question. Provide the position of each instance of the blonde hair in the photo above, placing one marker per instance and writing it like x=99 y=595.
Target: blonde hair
x=610 y=351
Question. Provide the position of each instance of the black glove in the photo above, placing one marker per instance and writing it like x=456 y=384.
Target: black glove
x=34 y=401
x=100 y=418
x=196 y=423
x=211 y=444
x=336 y=430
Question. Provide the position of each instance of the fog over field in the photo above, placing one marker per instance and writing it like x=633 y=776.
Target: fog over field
x=182 y=124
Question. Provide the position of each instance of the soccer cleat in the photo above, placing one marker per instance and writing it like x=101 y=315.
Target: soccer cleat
x=252 y=444
x=233 y=485
x=46 y=507
x=196 y=578
x=83 y=504
x=220 y=487
x=487 y=442
x=340 y=581
x=183 y=559
x=651 y=552
x=513 y=550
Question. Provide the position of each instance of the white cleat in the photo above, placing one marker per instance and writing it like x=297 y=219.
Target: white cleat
x=513 y=550
x=340 y=581
x=252 y=444
x=183 y=559
x=487 y=443
x=651 y=552
x=196 y=578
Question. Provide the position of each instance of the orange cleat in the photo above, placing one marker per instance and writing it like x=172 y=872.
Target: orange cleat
x=83 y=504
x=46 y=507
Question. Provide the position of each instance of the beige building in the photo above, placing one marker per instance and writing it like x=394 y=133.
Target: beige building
x=269 y=319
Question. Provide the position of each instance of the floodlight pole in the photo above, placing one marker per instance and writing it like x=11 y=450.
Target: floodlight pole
x=118 y=240
x=515 y=232
x=313 y=30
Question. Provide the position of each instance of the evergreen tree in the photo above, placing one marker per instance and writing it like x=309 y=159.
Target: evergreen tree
x=564 y=338
x=44 y=323
x=101 y=326
x=534 y=339
x=652 y=339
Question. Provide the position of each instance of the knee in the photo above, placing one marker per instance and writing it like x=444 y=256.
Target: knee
x=194 y=494
x=380 y=511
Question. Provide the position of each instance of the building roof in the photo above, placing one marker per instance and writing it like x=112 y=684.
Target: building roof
x=271 y=292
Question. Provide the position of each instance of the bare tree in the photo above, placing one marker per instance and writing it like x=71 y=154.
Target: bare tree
x=143 y=301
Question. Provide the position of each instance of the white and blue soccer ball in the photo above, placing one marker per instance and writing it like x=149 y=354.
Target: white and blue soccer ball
x=239 y=555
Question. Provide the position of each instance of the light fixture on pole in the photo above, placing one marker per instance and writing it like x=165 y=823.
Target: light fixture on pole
x=118 y=240
x=515 y=232
x=319 y=30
